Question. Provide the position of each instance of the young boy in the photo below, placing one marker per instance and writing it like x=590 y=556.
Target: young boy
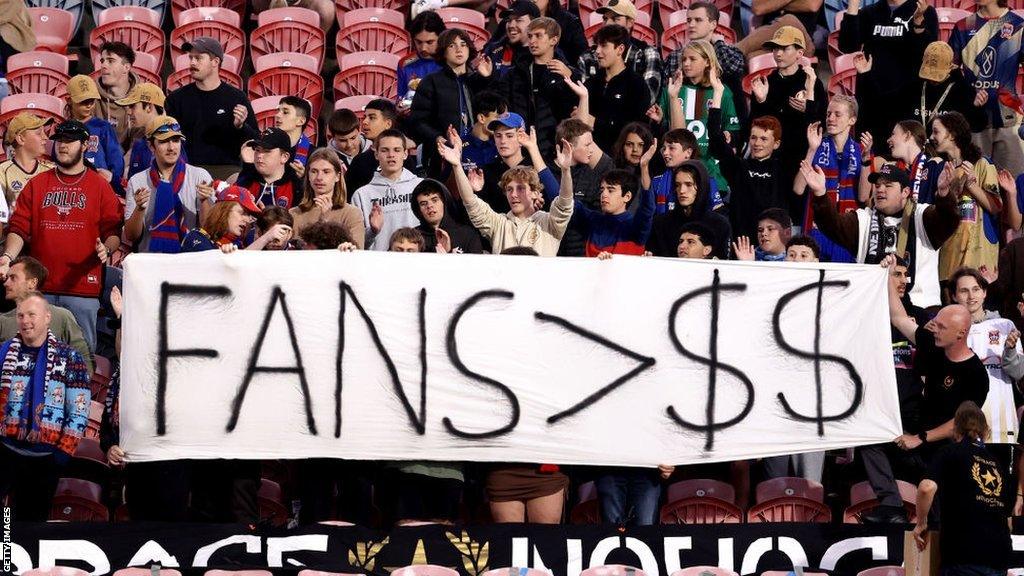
x=511 y=140
x=102 y=150
x=344 y=137
x=293 y=114
x=679 y=145
x=616 y=95
x=613 y=228
x=696 y=241
x=143 y=104
x=480 y=149
x=379 y=115
x=434 y=208
x=26 y=133
x=589 y=165
x=385 y=200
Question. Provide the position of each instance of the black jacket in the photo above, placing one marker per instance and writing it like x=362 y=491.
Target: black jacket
x=755 y=185
x=906 y=104
x=666 y=229
x=442 y=99
x=572 y=43
x=616 y=103
x=794 y=123
x=465 y=238
x=540 y=96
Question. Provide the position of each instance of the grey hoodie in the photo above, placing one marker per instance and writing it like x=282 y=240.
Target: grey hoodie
x=395 y=199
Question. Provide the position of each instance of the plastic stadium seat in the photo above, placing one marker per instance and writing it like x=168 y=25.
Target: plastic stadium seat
x=121 y=13
x=146 y=572
x=181 y=75
x=158 y=6
x=676 y=34
x=588 y=509
x=55 y=571
x=883 y=571
x=290 y=81
x=789 y=509
x=378 y=31
x=38 y=72
x=641 y=28
x=702 y=570
x=356 y=104
x=265 y=109
x=179 y=6
x=367 y=73
x=862 y=499
x=36 y=103
x=78 y=501
x=342 y=6
x=230 y=37
x=287 y=60
x=424 y=570
x=238 y=573
x=788 y=486
x=701 y=488
x=75 y=7
x=760 y=65
x=271 y=503
x=469 y=20
x=53 y=28
x=844 y=76
x=516 y=572
x=667 y=7
x=385 y=15
x=613 y=570
x=144 y=66
x=948 y=17
x=208 y=13
x=700 y=501
x=140 y=36
x=281 y=31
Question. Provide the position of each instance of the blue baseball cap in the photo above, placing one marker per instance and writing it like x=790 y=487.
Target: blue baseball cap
x=508 y=120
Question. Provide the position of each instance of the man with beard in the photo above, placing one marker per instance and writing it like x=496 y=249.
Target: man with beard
x=71 y=219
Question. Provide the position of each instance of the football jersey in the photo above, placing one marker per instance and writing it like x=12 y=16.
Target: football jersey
x=13 y=179
x=990 y=51
x=987 y=339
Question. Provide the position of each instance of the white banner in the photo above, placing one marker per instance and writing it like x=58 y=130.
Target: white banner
x=632 y=361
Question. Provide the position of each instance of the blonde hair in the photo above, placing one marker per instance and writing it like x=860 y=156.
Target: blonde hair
x=705 y=50
x=520 y=174
x=339 y=198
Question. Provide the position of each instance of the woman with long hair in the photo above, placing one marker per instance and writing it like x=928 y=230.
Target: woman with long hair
x=325 y=197
x=633 y=141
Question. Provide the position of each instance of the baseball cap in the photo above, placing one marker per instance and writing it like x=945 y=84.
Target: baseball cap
x=82 y=88
x=508 y=120
x=521 y=8
x=891 y=173
x=272 y=138
x=163 y=128
x=70 y=131
x=238 y=194
x=786 y=36
x=620 y=7
x=937 y=62
x=145 y=92
x=23 y=122
x=204 y=45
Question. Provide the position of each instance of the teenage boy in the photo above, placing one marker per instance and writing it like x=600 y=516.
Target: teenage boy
x=344 y=136
x=480 y=149
x=116 y=80
x=616 y=95
x=424 y=30
x=269 y=177
x=510 y=138
x=434 y=207
x=589 y=165
x=27 y=134
x=679 y=146
x=293 y=113
x=143 y=104
x=613 y=228
x=504 y=49
x=523 y=225
x=378 y=115
x=385 y=200
x=640 y=57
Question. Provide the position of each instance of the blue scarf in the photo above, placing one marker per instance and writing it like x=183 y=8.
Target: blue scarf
x=168 y=227
x=840 y=185
x=302 y=148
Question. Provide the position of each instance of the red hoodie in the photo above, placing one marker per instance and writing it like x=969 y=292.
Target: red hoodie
x=61 y=222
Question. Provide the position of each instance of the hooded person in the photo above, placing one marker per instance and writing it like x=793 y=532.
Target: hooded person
x=692 y=185
x=436 y=210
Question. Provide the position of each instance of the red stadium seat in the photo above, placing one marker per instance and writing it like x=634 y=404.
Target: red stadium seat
x=833 y=42
x=588 y=510
x=181 y=75
x=883 y=571
x=158 y=6
x=676 y=34
x=469 y=20
x=287 y=60
x=265 y=109
x=289 y=14
x=40 y=104
x=75 y=7
x=368 y=30
x=667 y=7
x=356 y=104
x=700 y=510
x=948 y=17
x=179 y=6
x=788 y=486
x=55 y=571
x=230 y=37
x=129 y=13
x=844 y=76
x=704 y=571
x=343 y=6
x=280 y=31
x=210 y=13
x=53 y=28
x=789 y=509
x=367 y=73
x=271 y=503
x=862 y=500
x=38 y=72
x=78 y=501
x=92 y=429
x=291 y=81
x=760 y=65
x=701 y=488
x=641 y=28
x=89 y=450
x=102 y=371
x=140 y=36
x=613 y=570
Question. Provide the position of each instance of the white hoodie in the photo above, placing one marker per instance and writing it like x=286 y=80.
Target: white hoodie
x=395 y=199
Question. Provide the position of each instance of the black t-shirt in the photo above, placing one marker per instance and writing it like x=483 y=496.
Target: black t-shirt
x=207 y=120
x=973 y=495
x=908 y=384
x=947 y=384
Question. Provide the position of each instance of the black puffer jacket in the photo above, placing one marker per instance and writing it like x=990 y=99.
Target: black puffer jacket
x=465 y=238
x=540 y=96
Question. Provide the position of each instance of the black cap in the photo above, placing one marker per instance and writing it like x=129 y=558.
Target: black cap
x=521 y=8
x=272 y=138
x=891 y=173
x=70 y=131
x=204 y=45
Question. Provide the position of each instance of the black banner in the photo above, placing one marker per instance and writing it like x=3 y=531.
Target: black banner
x=564 y=550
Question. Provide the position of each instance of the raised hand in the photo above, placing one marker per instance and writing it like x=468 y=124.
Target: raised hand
x=759 y=86
x=205 y=190
x=298 y=167
x=528 y=140
x=116 y=301
x=577 y=87
x=867 y=141
x=1007 y=181
x=476 y=179
x=743 y=249
x=715 y=80
x=655 y=113
x=376 y=217
x=1012 y=339
x=484 y=66
x=814 y=135
x=142 y=197
x=675 y=84
x=449 y=154
x=648 y=155
x=814 y=177
x=560 y=68
x=563 y=157
x=444 y=241
x=862 y=62
x=454 y=138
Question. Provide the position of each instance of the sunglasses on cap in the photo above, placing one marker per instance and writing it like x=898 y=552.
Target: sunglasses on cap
x=175 y=127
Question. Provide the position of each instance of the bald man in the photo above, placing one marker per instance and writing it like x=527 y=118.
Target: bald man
x=952 y=374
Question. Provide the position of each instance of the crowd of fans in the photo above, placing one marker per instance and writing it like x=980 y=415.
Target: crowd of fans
x=539 y=143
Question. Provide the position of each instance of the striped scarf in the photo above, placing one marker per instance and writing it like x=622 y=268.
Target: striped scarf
x=302 y=148
x=168 y=227
x=841 y=187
